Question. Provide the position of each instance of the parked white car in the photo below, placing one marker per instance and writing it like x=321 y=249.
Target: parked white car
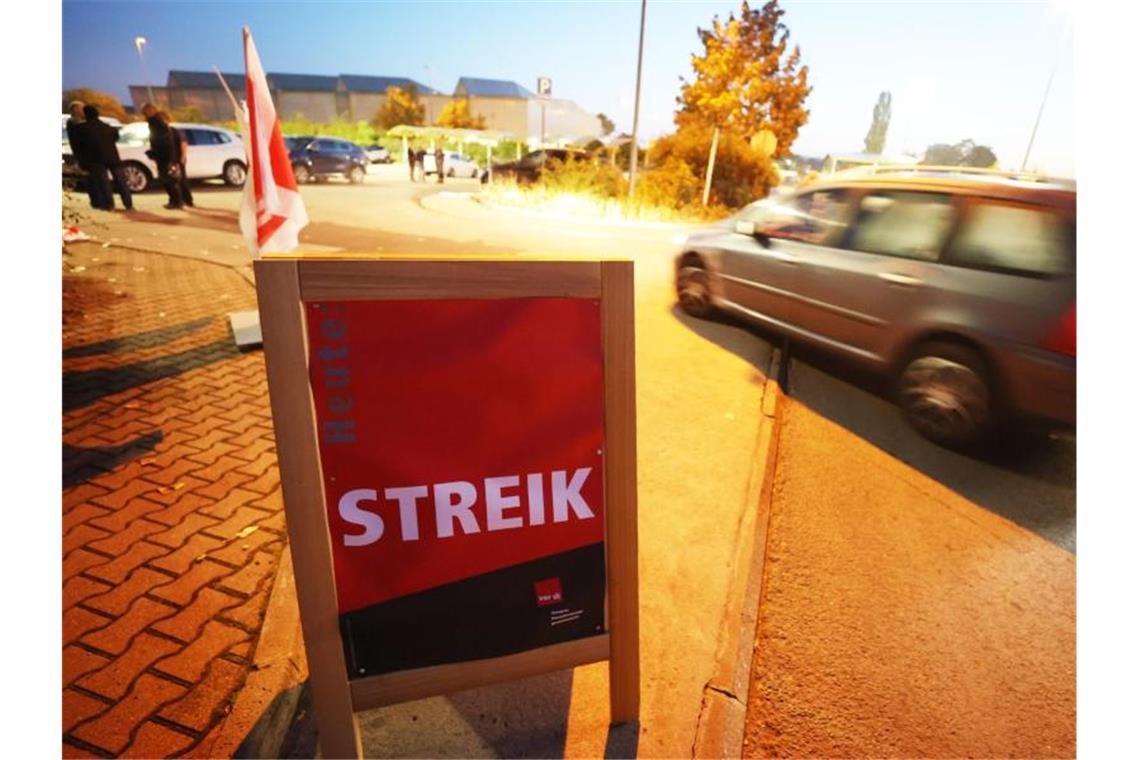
x=212 y=152
x=454 y=165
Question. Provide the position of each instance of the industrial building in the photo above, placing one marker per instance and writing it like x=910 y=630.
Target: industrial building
x=506 y=106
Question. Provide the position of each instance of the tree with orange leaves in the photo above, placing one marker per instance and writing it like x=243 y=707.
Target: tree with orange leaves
x=747 y=80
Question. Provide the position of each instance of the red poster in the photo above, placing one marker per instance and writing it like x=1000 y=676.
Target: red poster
x=461 y=449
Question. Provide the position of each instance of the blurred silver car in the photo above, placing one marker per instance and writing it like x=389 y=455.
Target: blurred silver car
x=960 y=285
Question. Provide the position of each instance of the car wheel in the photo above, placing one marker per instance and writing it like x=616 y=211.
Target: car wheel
x=302 y=174
x=451 y=172
x=947 y=395
x=474 y=172
x=234 y=173
x=694 y=291
x=137 y=176
x=356 y=175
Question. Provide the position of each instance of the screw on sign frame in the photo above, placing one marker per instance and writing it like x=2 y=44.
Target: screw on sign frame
x=285 y=284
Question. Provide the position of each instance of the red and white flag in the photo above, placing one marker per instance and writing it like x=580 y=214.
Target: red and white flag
x=272 y=212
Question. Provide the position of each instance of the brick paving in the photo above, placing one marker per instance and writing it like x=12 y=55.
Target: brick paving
x=172 y=514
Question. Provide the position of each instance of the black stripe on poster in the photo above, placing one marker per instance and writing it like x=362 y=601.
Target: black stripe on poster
x=548 y=601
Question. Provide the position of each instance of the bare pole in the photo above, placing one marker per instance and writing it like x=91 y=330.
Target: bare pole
x=1044 y=99
x=712 y=163
x=636 y=105
x=226 y=87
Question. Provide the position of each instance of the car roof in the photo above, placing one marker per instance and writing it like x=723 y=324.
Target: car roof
x=1047 y=191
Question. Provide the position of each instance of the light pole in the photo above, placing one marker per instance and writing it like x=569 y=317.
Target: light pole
x=1044 y=98
x=636 y=105
x=139 y=42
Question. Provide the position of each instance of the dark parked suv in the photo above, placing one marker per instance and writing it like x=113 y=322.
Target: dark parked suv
x=527 y=168
x=961 y=286
x=322 y=157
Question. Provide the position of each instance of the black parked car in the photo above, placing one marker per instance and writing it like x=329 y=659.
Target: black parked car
x=322 y=157
x=527 y=168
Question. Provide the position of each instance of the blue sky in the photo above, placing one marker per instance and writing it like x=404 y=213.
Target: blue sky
x=956 y=70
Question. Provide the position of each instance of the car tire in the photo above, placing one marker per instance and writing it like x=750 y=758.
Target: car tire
x=451 y=172
x=233 y=173
x=694 y=291
x=947 y=393
x=302 y=174
x=137 y=176
x=356 y=175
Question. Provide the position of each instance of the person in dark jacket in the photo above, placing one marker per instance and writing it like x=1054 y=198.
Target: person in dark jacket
x=104 y=158
x=183 y=154
x=165 y=154
x=411 y=162
x=439 y=163
x=77 y=139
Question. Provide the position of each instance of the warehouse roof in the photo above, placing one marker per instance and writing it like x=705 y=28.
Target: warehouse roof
x=492 y=88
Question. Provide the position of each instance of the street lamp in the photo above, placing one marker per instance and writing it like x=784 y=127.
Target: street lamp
x=139 y=42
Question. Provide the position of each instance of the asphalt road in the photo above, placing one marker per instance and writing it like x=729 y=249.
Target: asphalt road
x=1029 y=479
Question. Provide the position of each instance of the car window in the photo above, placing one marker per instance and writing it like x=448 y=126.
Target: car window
x=194 y=136
x=219 y=138
x=1007 y=237
x=817 y=217
x=533 y=159
x=325 y=146
x=912 y=225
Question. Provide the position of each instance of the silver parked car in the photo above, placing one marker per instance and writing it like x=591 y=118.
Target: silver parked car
x=961 y=285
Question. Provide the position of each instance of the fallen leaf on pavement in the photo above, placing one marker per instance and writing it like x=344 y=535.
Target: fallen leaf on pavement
x=246 y=531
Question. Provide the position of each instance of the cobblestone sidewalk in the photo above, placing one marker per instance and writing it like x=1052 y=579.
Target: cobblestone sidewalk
x=172 y=514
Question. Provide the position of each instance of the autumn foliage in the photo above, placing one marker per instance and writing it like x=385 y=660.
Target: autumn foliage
x=401 y=106
x=108 y=105
x=747 y=80
x=457 y=115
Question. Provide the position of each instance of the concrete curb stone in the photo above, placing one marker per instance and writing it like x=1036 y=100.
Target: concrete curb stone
x=721 y=724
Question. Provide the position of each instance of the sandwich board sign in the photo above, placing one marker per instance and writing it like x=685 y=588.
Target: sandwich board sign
x=457 y=447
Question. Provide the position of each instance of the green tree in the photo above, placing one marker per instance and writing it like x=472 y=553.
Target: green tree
x=457 y=115
x=400 y=106
x=607 y=123
x=747 y=80
x=107 y=104
x=880 y=119
x=964 y=153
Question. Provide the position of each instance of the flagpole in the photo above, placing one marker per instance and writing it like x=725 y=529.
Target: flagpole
x=226 y=87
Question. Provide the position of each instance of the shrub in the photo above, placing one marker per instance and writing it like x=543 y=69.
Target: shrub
x=740 y=174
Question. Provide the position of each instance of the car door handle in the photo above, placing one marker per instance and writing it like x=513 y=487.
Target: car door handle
x=784 y=258
x=900 y=279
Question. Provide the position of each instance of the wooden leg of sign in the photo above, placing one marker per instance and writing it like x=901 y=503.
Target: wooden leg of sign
x=295 y=427
x=621 y=489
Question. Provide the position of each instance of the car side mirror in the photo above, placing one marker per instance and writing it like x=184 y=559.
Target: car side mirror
x=749 y=229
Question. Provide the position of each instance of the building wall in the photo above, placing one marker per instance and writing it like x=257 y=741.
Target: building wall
x=564 y=119
x=314 y=106
x=140 y=97
x=214 y=104
x=502 y=114
x=362 y=106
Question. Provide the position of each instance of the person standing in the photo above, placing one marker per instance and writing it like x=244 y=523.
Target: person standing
x=439 y=163
x=420 y=153
x=411 y=162
x=163 y=151
x=77 y=139
x=183 y=155
x=104 y=158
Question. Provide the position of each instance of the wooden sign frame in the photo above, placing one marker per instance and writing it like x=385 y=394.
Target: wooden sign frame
x=284 y=284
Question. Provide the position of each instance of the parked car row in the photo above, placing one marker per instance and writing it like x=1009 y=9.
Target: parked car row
x=960 y=287
x=212 y=152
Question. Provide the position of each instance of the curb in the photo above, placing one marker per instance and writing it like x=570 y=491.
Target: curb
x=721 y=723
x=267 y=701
